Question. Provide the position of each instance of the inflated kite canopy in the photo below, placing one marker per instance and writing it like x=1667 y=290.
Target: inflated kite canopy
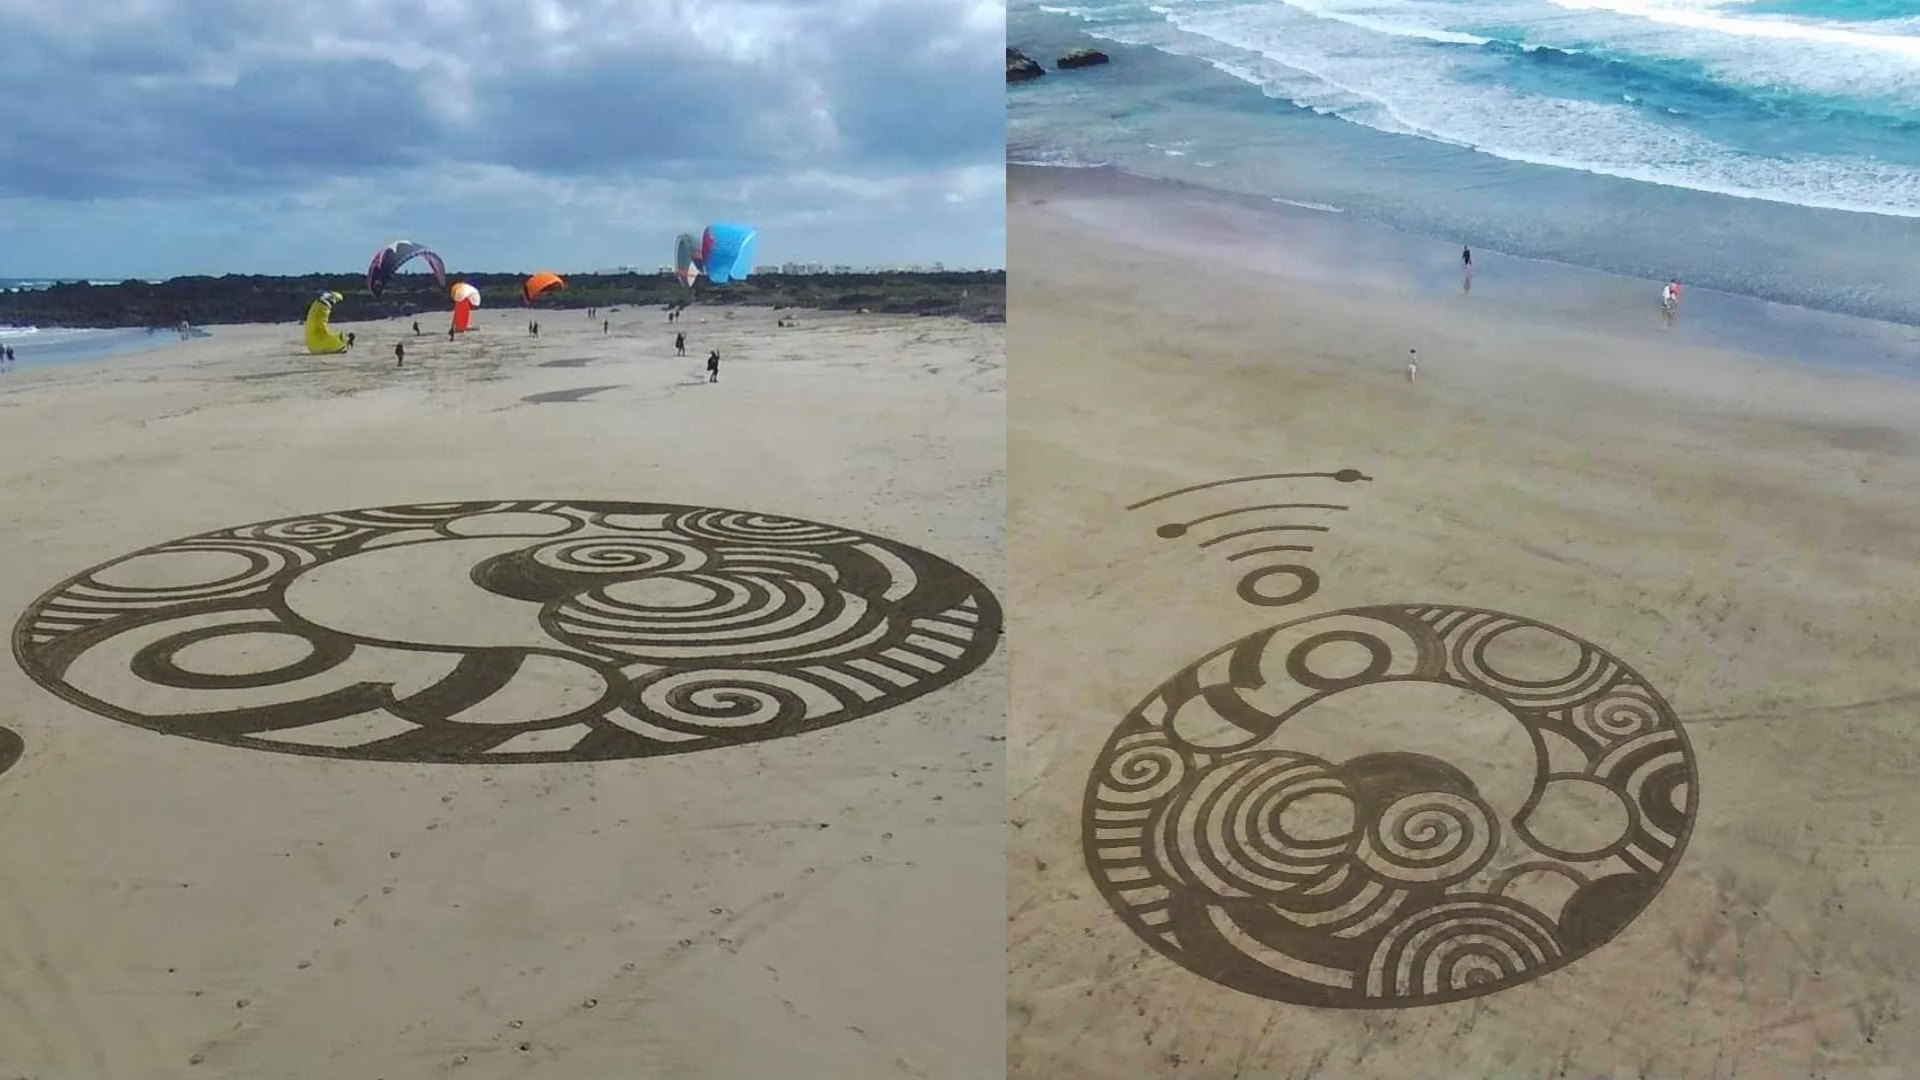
x=540 y=283
x=726 y=252
x=686 y=254
x=388 y=261
x=321 y=337
x=464 y=293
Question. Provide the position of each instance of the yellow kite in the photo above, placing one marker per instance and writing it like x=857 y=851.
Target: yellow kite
x=321 y=338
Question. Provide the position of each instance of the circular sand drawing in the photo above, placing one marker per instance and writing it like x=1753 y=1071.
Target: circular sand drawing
x=1390 y=806
x=508 y=631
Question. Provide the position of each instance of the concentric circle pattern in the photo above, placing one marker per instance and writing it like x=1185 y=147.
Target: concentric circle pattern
x=1390 y=806
x=508 y=631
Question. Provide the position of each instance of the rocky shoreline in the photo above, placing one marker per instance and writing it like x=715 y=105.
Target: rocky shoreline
x=977 y=296
x=1022 y=68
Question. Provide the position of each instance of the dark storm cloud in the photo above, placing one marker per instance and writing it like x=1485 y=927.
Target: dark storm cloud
x=174 y=119
x=899 y=94
x=614 y=113
x=227 y=95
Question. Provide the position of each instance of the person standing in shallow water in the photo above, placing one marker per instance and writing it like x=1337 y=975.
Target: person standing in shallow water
x=713 y=366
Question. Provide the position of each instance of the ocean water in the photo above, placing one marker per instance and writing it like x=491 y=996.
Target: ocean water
x=40 y=345
x=35 y=346
x=8 y=284
x=1769 y=148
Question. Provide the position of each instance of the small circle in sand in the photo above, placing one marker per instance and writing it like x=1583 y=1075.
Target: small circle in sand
x=243 y=655
x=175 y=570
x=514 y=631
x=1390 y=806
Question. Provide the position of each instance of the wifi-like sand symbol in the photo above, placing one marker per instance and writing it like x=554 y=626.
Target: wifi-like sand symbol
x=1305 y=581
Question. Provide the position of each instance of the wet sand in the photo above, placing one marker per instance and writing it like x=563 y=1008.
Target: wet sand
x=1735 y=537
x=809 y=906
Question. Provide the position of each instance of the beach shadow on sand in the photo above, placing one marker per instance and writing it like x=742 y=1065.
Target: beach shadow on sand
x=570 y=362
x=267 y=375
x=558 y=396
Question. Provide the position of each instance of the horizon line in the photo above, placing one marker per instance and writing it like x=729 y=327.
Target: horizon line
x=828 y=270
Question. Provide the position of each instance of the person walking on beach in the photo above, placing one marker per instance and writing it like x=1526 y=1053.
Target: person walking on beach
x=416 y=328
x=1670 y=301
x=606 y=327
x=713 y=366
x=449 y=333
x=1413 y=365
x=680 y=343
x=399 y=354
x=1466 y=257
x=1466 y=270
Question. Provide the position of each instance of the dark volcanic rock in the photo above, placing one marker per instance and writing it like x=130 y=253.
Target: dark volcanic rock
x=1021 y=67
x=977 y=295
x=1080 y=58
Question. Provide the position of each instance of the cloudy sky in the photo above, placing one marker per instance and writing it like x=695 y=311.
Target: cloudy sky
x=162 y=137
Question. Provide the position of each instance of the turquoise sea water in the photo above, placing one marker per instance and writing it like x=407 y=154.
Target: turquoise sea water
x=1763 y=147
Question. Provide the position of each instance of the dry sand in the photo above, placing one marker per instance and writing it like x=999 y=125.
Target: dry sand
x=1743 y=533
x=812 y=906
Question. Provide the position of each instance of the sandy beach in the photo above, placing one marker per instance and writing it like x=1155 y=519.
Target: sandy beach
x=1587 y=747
x=685 y=896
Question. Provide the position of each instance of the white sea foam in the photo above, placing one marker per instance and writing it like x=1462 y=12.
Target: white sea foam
x=1717 y=18
x=1083 y=14
x=44 y=336
x=1375 y=64
x=1321 y=207
x=1055 y=161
